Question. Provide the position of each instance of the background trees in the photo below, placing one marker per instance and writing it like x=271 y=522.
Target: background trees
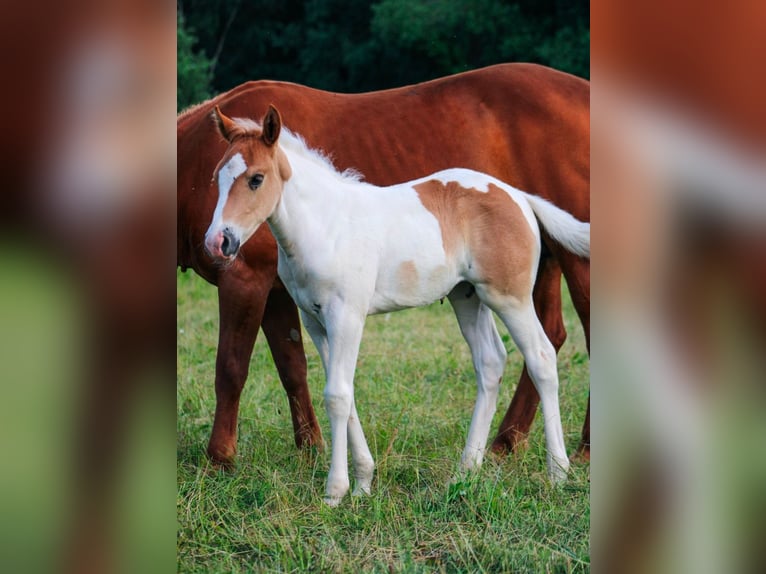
x=354 y=45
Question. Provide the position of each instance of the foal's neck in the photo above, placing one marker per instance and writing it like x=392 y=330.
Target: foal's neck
x=311 y=202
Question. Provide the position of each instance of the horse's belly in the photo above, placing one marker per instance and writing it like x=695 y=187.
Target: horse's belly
x=409 y=286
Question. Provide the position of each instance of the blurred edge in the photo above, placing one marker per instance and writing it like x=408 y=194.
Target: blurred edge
x=679 y=321
x=87 y=289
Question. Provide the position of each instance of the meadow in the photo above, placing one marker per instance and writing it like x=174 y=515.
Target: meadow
x=415 y=391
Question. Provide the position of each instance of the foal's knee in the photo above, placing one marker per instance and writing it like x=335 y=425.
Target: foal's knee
x=338 y=402
x=542 y=367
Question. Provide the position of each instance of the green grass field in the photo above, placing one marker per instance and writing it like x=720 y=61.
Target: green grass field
x=415 y=391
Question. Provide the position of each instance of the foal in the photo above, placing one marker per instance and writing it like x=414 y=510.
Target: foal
x=348 y=249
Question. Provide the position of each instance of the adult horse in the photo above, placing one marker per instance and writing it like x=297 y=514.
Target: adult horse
x=524 y=124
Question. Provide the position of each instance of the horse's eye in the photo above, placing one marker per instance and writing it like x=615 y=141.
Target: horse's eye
x=255 y=181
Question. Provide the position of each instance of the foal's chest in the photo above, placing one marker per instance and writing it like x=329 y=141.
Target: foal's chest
x=308 y=290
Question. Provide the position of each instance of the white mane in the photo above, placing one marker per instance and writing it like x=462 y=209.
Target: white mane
x=294 y=145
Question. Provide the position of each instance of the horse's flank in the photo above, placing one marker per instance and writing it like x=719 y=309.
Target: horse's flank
x=482 y=221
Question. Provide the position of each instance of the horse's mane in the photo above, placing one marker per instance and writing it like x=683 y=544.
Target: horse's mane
x=294 y=144
x=186 y=112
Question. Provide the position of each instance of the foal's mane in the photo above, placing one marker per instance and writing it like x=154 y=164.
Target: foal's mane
x=294 y=145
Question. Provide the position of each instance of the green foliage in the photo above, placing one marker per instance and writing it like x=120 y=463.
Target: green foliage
x=453 y=35
x=194 y=75
x=415 y=391
x=356 y=45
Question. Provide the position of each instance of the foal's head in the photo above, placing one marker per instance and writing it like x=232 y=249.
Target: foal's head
x=250 y=179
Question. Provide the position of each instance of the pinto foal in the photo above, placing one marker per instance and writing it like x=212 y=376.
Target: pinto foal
x=348 y=249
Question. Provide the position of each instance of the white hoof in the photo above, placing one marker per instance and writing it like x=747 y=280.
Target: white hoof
x=332 y=501
x=361 y=490
x=558 y=470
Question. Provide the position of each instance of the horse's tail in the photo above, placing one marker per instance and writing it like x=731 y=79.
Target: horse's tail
x=572 y=234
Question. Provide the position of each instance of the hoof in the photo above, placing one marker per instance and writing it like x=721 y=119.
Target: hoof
x=310 y=440
x=502 y=446
x=222 y=459
x=557 y=472
x=582 y=456
x=361 y=491
x=332 y=501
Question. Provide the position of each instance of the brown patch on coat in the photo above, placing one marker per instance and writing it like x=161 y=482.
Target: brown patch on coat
x=502 y=247
x=407 y=276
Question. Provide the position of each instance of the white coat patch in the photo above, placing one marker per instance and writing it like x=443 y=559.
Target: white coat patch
x=467 y=179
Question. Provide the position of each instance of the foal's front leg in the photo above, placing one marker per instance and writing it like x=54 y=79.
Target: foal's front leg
x=344 y=334
x=338 y=346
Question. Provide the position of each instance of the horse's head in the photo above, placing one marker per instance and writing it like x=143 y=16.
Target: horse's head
x=250 y=179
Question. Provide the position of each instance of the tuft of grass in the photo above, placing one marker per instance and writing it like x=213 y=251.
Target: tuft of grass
x=415 y=391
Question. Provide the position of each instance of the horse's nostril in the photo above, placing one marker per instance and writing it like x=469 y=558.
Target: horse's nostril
x=230 y=244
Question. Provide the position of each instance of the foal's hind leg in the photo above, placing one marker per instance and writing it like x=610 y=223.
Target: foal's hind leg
x=488 y=352
x=518 y=419
x=528 y=334
x=361 y=457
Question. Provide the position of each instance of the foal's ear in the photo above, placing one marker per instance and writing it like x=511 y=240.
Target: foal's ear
x=224 y=123
x=272 y=124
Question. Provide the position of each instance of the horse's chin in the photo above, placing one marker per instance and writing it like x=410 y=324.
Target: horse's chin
x=221 y=260
x=226 y=260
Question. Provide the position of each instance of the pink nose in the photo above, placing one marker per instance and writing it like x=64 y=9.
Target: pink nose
x=222 y=245
x=213 y=245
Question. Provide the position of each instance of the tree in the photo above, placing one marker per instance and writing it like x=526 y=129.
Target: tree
x=359 y=45
x=194 y=74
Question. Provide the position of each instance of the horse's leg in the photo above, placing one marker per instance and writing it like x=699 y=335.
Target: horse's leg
x=364 y=466
x=242 y=296
x=488 y=353
x=583 y=449
x=361 y=457
x=283 y=333
x=540 y=356
x=518 y=419
x=577 y=274
x=343 y=337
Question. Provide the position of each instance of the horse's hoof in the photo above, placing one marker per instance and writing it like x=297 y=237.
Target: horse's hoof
x=332 y=501
x=558 y=477
x=361 y=491
x=581 y=456
x=222 y=461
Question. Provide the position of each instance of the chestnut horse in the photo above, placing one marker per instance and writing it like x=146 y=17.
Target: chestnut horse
x=524 y=124
x=457 y=233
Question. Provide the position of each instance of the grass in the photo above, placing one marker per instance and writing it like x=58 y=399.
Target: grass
x=415 y=392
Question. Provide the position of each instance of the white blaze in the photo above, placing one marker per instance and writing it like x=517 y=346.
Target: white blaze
x=233 y=168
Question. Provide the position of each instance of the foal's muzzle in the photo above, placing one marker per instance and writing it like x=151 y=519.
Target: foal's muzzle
x=230 y=244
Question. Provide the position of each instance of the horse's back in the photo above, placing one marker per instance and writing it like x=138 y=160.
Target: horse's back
x=525 y=124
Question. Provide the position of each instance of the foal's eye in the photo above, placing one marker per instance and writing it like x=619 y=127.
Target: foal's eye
x=255 y=181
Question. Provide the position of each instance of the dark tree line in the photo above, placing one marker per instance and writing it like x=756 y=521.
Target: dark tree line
x=354 y=46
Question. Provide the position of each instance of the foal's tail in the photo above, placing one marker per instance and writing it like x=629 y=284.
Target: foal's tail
x=572 y=234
